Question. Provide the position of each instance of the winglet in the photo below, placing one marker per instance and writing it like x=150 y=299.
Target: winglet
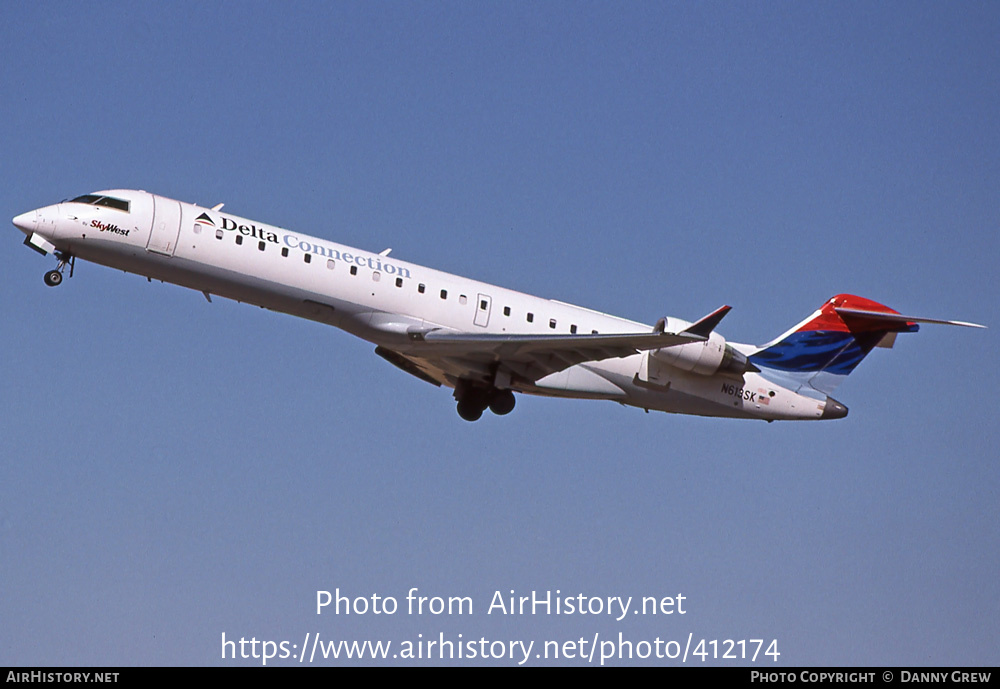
x=705 y=326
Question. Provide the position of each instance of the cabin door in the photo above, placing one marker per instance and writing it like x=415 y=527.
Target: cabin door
x=483 y=303
x=166 y=226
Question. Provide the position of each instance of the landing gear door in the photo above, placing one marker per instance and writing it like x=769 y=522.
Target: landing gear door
x=483 y=304
x=166 y=226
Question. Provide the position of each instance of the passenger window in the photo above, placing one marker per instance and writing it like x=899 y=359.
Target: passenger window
x=307 y=258
x=218 y=234
x=354 y=270
x=197 y=228
x=531 y=318
x=552 y=323
x=399 y=282
x=239 y=239
x=572 y=329
x=506 y=310
x=330 y=263
x=376 y=276
x=421 y=288
x=260 y=245
x=462 y=299
x=483 y=305
x=444 y=294
x=284 y=250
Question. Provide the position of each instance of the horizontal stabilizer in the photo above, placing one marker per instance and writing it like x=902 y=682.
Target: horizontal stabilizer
x=879 y=316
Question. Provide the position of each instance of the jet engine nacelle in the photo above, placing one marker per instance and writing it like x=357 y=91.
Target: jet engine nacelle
x=704 y=358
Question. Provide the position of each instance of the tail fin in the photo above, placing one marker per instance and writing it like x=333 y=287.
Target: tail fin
x=823 y=349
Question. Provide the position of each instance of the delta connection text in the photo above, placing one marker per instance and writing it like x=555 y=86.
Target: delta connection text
x=310 y=245
x=501 y=603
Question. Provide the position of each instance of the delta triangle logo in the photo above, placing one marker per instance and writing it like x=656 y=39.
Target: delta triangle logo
x=204 y=219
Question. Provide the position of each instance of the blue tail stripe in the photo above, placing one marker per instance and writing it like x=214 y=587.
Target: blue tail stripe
x=811 y=351
x=834 y=352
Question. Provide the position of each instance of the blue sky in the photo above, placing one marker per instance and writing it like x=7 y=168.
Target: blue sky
x=172 y=470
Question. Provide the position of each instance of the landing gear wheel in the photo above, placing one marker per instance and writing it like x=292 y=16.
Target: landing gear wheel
x=503 y=403
x=469 y=412
x=53 y=278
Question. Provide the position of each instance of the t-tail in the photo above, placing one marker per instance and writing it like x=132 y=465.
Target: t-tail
x=822 y=350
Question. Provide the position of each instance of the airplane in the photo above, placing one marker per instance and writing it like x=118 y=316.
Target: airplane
x=485 y=342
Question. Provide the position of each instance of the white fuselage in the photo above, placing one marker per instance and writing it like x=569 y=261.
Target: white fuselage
x=382 y=299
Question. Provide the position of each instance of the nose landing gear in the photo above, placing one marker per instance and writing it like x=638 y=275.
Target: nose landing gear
x=54 y=278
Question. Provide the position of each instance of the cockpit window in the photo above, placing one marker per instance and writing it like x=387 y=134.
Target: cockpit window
x=110 y=202
x=107 y=201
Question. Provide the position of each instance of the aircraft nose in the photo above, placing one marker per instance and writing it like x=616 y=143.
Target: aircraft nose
x=26 y=222
x=833 y=409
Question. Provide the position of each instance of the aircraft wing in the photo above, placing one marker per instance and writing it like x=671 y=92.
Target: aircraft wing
x=444 y=357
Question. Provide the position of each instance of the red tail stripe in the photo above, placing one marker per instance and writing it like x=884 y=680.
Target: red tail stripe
x=829 y=320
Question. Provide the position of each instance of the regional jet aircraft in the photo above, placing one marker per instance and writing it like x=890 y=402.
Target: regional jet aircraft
x=485 y=342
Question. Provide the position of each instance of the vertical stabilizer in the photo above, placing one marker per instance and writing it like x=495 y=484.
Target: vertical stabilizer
x=823 y=349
